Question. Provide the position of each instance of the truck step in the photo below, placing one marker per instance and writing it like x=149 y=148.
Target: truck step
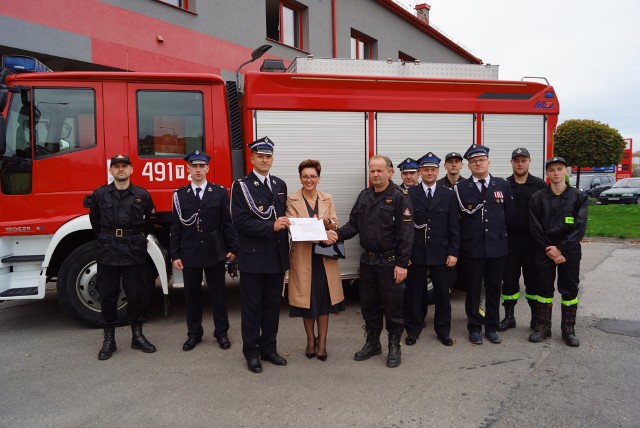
x=22 y=259
x=17 y=292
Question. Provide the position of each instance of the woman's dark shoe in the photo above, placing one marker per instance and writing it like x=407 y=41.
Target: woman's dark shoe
x=310 y=355
x=321 y=357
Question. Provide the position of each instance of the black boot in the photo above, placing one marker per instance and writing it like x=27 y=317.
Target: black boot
x=109 y=344
x=568 y=325
x=138 y=341
x=371 y=346
x=532 y=305
x=542 y=329
x=509 y=320
x=393 y=359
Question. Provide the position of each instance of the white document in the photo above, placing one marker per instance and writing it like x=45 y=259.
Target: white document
x=307 y=229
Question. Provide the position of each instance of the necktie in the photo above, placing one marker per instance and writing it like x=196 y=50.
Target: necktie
x=484 y=187
x=198 y=190
x=429 y=196
x=266 y=183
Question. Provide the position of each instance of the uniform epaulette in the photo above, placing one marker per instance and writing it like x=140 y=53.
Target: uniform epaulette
x=220 y=186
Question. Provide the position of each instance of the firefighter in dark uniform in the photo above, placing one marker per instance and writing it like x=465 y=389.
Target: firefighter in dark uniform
x=408 y=173
x=202 y=238
x=452 y=164
x=258 y=203
x=382 y=215
x=485 y=207
x=122 y=216
x=558 y=222
x=435 y=250
x=520 y=257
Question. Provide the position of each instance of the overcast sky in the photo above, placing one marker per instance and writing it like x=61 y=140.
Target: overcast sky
x=588 y=50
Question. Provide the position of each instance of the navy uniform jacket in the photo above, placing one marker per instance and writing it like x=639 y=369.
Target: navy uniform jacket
x=384 y=222
x=521 y=194
x=193 y=244
x=130 y=210
x=441 y=235
x=261 y=249
x=483 y=234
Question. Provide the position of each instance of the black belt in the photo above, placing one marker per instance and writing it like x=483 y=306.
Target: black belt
x=389 y=255
x=122 y=232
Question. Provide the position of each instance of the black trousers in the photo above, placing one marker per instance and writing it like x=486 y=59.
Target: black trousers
x=260 y=296
x=133 y=283
x=520 y=260
x=379 y=294
x=474 y=271
x=568 y=275
x=415 y=296
x=217 y=298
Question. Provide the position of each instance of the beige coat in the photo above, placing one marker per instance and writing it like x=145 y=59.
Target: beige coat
x=300 y=255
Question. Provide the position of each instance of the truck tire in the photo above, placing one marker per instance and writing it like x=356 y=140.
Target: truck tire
x=77 y=291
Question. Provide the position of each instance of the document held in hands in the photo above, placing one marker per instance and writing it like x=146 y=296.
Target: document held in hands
x=307 y=229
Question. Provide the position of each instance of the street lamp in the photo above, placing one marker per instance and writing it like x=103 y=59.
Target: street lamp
x=257 y=53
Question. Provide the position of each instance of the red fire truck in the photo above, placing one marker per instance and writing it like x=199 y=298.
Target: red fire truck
x=58 y=130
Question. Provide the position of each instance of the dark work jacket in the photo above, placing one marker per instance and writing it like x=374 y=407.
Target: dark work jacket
x=441 y=235
x=384 y=222
x=559 y=220
x=444 y=181
x=131 y=210
x=521 y=194
x=194 y=244
x=261 y=249
x=483 y=234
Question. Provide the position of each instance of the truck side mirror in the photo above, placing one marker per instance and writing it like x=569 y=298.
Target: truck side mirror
x=3 y=135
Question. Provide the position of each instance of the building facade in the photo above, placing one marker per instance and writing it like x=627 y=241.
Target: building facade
x=216 y=36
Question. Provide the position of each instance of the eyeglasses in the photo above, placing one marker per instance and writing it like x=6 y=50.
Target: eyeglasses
x=478 y=161
x=308 y=177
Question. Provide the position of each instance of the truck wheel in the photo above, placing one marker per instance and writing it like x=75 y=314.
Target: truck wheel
x=77 y=290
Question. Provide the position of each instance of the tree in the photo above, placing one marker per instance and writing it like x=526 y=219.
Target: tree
x=584 y=142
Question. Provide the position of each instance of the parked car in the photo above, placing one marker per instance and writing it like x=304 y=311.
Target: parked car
x=595 y=192
x=590 y=181
x=625 y=191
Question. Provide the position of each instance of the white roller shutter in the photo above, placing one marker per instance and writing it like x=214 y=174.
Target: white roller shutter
x=336 y=139
x=403 y=135
x=502 y=133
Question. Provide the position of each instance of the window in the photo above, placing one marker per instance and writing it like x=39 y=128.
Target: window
x=182 y=4
x=361 y=46
x=285 y=22
x=170 y=123
x=405 y=57
x=45 y=122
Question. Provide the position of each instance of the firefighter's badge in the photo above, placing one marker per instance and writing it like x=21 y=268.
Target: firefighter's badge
x=256 y=183
x=407 y=212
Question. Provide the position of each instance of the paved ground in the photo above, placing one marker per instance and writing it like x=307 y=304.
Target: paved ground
x=50 y=375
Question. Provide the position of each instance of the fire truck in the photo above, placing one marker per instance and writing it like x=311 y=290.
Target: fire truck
x=58 y=131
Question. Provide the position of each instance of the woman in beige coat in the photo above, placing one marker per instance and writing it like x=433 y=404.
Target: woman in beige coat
x=315 y=287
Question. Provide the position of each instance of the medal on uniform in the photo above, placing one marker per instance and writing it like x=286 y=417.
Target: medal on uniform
x=255 y=183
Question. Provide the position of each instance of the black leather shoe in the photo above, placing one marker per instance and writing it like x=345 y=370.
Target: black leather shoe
x=191 y=343
x=224 y=342
x=493 y=337
x=446 y=341
x=254 y=365
x=411 y=340
x=475 y=338
x=274 y=359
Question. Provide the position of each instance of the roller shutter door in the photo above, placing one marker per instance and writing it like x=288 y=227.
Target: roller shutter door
x=338 y=141
x=402 y=135
x=503 y=133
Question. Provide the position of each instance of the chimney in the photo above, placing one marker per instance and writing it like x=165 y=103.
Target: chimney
x=422 y=12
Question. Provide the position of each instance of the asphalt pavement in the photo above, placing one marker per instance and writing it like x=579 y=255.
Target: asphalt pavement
x=50 y=375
